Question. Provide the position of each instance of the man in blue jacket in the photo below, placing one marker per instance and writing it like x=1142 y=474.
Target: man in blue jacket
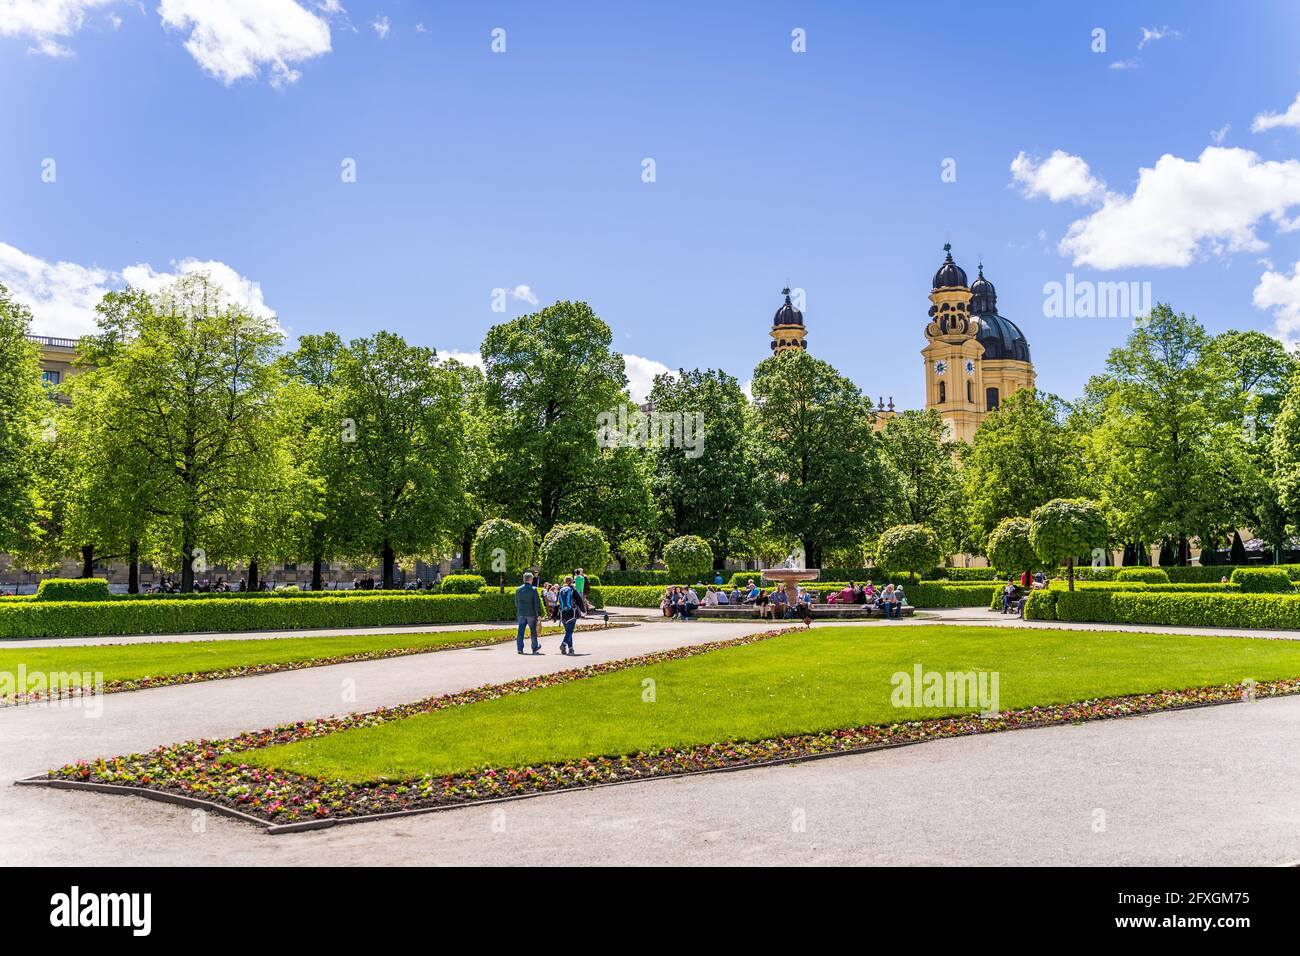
x=528 y=607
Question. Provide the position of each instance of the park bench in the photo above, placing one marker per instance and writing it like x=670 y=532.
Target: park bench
x=820 y=612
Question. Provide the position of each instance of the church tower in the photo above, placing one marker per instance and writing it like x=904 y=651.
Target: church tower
x=787 y=327
x=975 y=357
x=953 y=376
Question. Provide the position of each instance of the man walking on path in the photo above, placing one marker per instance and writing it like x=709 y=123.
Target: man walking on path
x=570 y=602
x=527 y=608
x=580 y=582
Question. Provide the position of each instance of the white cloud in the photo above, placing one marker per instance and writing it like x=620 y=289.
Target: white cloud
x=43 y=20
x=1183 y=208
x=523 y=293
x=1266 y=121
x=421 y=28
x=1124 y=64
x=641 y=374
x=1151 y=35
x=234 y=39
x=381 y=26
x=1217 y=136
x=237 y=288
x=1281 y=293
x=1059 y=177
x=63 y=295
x=464 y=358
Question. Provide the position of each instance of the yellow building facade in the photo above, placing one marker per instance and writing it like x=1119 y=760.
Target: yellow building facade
x=974 y=357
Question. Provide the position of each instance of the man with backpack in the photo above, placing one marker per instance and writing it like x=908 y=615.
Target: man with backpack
x=571 y=604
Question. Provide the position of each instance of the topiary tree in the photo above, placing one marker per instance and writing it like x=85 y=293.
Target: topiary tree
x=1064 y=528
x=689 y=558
x=502 y=548
x=1009 y=549
x=569 y=546
x=912 y=548
x=462 y=584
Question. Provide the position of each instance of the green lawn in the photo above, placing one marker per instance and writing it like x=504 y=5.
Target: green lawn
x=802 y=682
x=158 y=659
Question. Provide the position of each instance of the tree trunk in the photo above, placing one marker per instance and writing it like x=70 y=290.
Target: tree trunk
x=316 y=563
x=87 y=560
x=133 y=569
x=466 y=549
x=1069 y=571
x=1184 y=551
x=390 y=559
x=252 y=575
x=812 y=553
x=187 y=555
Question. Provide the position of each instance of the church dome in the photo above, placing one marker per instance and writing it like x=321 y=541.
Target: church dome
x=984 y=297
x=950 y=274
x=1001 y=338
x=787 y=314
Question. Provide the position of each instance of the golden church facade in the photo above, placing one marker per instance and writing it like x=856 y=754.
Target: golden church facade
x=974 y=357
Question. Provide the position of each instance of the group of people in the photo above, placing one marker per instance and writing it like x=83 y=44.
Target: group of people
x=889 y=600
x=1015 y=594
x=563 y=603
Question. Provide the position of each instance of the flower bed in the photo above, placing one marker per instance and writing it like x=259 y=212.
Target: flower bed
x=210 y=771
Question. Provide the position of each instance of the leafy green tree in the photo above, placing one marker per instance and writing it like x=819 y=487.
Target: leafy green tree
x=315 y=520
x=190 y=379
x=23 y=407
x=635 y=553
x=1021 y=456
x=106 y=485
x=549 y=376
x=689 y=558
x=912 y=548
x=824 y=480
x=1172 y=458
x=1064 y=528
x=502 y=548
x=707 y=487
x=1009 y=547
x=925 y=461
x=567 y=547
x=395 y=449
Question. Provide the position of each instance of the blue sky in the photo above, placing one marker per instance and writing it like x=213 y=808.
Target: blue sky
x=184 y=132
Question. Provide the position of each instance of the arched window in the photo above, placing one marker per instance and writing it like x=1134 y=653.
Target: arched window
x=990 y=399
x=970 y=391
x=943 y=392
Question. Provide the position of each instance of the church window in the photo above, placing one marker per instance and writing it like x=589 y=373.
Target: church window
x=943 y=392
x=990 y=399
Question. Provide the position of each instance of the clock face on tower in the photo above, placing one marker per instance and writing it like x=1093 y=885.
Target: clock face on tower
x=940 y=367
x=970 y=367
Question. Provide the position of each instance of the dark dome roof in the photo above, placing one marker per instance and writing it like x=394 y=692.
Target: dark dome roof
x=984 y=297
x=1001 y=338
x=787 y=314
x=949 y=274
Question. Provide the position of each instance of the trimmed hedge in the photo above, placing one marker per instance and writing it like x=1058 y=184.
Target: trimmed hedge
x=463 y=584
x=1225 y=609
x=93 y=618
x=72 y=589
x=1262 y=580
x=1143 y=575
x=1112 y=586
x=1191 y=574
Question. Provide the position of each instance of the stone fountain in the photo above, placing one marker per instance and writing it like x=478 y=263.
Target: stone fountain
x=789 y=576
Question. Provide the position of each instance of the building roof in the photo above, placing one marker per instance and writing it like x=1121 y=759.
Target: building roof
x=950 y=275
x=787 y=314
